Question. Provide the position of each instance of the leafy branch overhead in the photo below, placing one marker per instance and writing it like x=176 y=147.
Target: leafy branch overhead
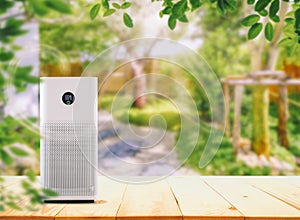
x=108 y=9
x=264 y=15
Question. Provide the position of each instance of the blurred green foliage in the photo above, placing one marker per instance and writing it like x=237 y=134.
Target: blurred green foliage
x=224 y=45
x=223 y=163
x=82 y=40
x=11 y=74
x=13 y=131
x=31 y=191
x=155 y=106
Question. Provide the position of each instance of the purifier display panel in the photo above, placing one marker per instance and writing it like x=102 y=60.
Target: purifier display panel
x=68 y=119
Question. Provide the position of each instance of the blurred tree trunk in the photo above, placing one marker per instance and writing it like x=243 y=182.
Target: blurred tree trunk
x=139 y=85
x=282 y=131
x=260 y=135
x=260 y=102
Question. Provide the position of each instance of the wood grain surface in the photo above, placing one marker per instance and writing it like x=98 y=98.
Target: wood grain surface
x=174 y=198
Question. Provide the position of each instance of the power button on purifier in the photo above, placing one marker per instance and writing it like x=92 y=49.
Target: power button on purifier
x=68 y=98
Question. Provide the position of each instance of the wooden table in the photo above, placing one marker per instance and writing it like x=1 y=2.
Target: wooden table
x=188 y=198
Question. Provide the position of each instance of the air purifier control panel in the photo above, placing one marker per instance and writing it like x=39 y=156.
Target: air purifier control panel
x=68 y=98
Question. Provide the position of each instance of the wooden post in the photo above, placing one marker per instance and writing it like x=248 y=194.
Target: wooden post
x=238 y=93
x=227 y=108
x=283 y=115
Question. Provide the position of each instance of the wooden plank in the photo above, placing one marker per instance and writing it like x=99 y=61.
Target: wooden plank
x=12 y=180
x=274 y=82
x=42 y=212
x=251 y=202
x=149 y=201
x=110 y=197
x=294 y=180
x=198 y=201
x=284 y=191
x=13 y=188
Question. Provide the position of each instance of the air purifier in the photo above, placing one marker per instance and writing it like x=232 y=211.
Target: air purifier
x=68 y=150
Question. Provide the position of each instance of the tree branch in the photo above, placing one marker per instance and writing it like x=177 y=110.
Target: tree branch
x=4 y=18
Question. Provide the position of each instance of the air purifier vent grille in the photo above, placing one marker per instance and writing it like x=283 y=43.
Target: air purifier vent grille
x=69 y=150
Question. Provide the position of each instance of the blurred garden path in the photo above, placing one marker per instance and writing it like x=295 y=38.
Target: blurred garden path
x=122 y=154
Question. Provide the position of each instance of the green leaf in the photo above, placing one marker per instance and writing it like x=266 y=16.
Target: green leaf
x=288 y=30
x=221 y=6
x=289 y=20
x=179 y=8
x=127 y=20
x=275 y=18
x=6 y=158
x=172 y=22
x=2 y=81
x=105 y=4
x=263 y=12
x=167 y=10
x=183 y=19
x=26 y=185
x=32 y=79
x=13 y=205
x=230 y=5
x=94 y=11
x=250 y=20
x=2 y=208
x=21 y=71
x=18 y=152
x=168 y=3
x=31 y=176
x=297 y=17
x=6 y=56
x=49 y=192
x=5 y=4
x=13 y=23
x=16 y=47
x=59 y=6
x=261 y=5
x=20 y=76
x=161 y=14
x=116 y=5
x=250 y=2
x=195 y=4
x=274 y=8
x=254 y=30
x=125 y=5
x=269 y=31
x=109 y=12
x=38 y=7
x=294 y=48
x=291 y=13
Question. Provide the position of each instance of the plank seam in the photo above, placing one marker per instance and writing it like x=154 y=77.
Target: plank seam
x=244 y=216
x=182 y=217
x=275 y=196
x=121 y=201
x=59 y=211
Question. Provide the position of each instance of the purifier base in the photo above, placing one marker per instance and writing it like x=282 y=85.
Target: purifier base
x=69 y=201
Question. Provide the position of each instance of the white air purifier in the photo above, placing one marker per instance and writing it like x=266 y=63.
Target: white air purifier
x=68 y=120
